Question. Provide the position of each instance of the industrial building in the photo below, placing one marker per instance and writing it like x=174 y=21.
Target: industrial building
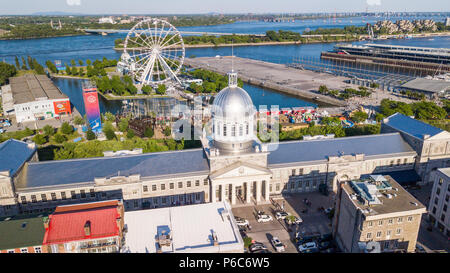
x=32 y=97
x=432 y=89
x=375 y=214
x=202 y=228
x=438 y=210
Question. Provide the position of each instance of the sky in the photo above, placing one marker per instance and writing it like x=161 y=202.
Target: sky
x=8 y=7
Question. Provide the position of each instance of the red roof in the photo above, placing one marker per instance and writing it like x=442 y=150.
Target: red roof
x=67 y=224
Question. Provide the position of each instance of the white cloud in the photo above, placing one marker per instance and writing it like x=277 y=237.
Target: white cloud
x=370 y=2
x=78 y=2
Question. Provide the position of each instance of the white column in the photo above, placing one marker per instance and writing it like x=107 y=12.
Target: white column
x=248 y=193
x=233 y=194
x=222 y=192
x=266 y=190
x=213 y=192
x=258 y=191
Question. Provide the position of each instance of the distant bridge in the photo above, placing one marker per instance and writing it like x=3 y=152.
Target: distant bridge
x=110 y=31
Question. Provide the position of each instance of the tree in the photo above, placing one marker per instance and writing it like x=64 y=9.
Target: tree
x=88 y=62
x=72 y=62
x=149 y=132
x=123 y=125
x=59 y=138
x=6 y=71
x=39 y=139
x=66 y=128
x=109 y=133
x=379 y=117
x=24 y=64
x=48 y=130
x=359 y=116
x=79 y=120
x=80 y=62
x=167 y=131
x=161 y=89
x=90 y=135
x=146 y=89
x=17 y=63
x=130 y=134
x=51 y=66
x=110 y=117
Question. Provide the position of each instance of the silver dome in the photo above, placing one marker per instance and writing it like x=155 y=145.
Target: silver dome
x=233 y=103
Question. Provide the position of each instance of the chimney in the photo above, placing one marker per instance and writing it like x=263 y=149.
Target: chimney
x=87 y=228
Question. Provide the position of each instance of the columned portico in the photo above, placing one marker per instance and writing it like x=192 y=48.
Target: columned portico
x=258 y=191
x=233 y=194
x=247 y=193
x=266 y=190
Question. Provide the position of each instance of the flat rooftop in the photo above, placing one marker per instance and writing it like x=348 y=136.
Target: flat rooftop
x=379 y=195
x=445 y=171
x=413 y=127
x=191 y=229
x=427 y=85
x=31 y=87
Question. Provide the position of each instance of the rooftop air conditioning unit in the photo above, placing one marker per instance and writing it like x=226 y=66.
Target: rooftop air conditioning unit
x=389 y=196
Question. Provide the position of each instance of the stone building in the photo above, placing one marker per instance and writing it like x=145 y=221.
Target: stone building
x=431 y=144
x=438 y=211
x=376 y=214
x=231 y=166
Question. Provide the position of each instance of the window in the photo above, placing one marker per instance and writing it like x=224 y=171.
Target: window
x=145 y=188
x=163 y=187
x=53 y=196
x=386 y=244
x=436 y=200
x=293 y=172
x=171 y=186
x=443 y=217
x=44 y=197
x=224 y=130
x=405 y=161
x=434 y=210
x=277 y=188
x=398 y=161
x=24 y=250
x=24 y=199
x=369 y=235
x=379 y=234
x=300 y=172
x=438 y=191
x=447 y=197
x=83 y=193
x=153 y=187
x=241 y=130
x=246 y=128
x=410 y=218
x=388 y=233
x=74 y=196
x=11 y=251
x=390 y=221
x=370 y=223
x=440 y=181
x=205 y=182
x=399 y=231
x=63 y=195
x=92 y=192
x=292 y=185
x=37 y=249
x=180 y=185
x=400 y=220
x=392 y=163
x=197 y=183
x=188 y=184
x=380 y=223
x=445 y=208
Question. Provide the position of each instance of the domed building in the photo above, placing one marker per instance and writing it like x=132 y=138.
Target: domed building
x=233 y=119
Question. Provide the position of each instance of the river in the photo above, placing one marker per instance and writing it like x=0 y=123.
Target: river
x=96 y=47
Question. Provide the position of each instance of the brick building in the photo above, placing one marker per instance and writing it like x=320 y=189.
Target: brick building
x=22 y=234
x=85 y=228
x=440 y=201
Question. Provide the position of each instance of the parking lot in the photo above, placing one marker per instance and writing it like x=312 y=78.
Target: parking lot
x=314 y=221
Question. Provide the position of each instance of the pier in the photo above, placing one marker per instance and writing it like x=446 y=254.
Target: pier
x=279 y=77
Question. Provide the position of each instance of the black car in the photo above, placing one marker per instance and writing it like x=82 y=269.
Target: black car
x=262 y=251
x=257 y=247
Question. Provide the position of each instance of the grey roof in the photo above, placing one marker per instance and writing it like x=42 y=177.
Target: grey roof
x=411 y=126
x=52 y=173
x=316 y=150
x=13 y=154
x=433 y=86
x=445 y=171
x=22 y=231
x=32 y=87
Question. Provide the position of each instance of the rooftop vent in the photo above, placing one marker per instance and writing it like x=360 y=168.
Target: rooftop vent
x=389 y=196
x=395 y=189
x=414 y=204
x=215 y=239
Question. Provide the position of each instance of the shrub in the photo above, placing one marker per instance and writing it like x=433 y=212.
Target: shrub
x=167 y=131
x=149 y=132
x=130 y=133
x=59 y=138
x=66 y=128
x=39 y=139
x=90 y=135
x=48 y=130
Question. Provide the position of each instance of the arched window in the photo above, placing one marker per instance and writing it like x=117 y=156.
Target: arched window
x=233 y=130
x=246 y=128
x=225 y=130
x=241 y=130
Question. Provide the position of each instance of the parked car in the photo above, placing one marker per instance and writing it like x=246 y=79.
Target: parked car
x=328 y=210
x=256 y=247
x=241 y=221
x=420 y=249
x=308 y=247
x=292 y=219
x=277 y=244
x=281 y=215
x=262 y=251
x=262 y=218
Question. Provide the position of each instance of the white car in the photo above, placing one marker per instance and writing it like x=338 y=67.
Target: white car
x=281 y=215
x=241 y=222
x=264 y=218
x=277 y=244
x=307 y=246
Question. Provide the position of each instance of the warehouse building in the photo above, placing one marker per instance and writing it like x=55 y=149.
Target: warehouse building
x=430 y=88
x=32 y=97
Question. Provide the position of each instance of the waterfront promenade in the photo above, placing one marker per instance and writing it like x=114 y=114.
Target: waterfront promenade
x=302 y=83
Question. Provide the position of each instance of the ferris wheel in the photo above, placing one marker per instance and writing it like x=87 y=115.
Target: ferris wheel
x=153 y=52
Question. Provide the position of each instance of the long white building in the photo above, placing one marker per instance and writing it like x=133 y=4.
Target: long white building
x=232 y=165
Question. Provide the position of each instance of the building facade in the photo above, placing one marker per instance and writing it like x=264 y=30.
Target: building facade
x=231 y=166
x=438 y=211
x=376 y=214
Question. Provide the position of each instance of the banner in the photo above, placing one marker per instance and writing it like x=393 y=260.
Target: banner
x=62 y=107
x=92 y=109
